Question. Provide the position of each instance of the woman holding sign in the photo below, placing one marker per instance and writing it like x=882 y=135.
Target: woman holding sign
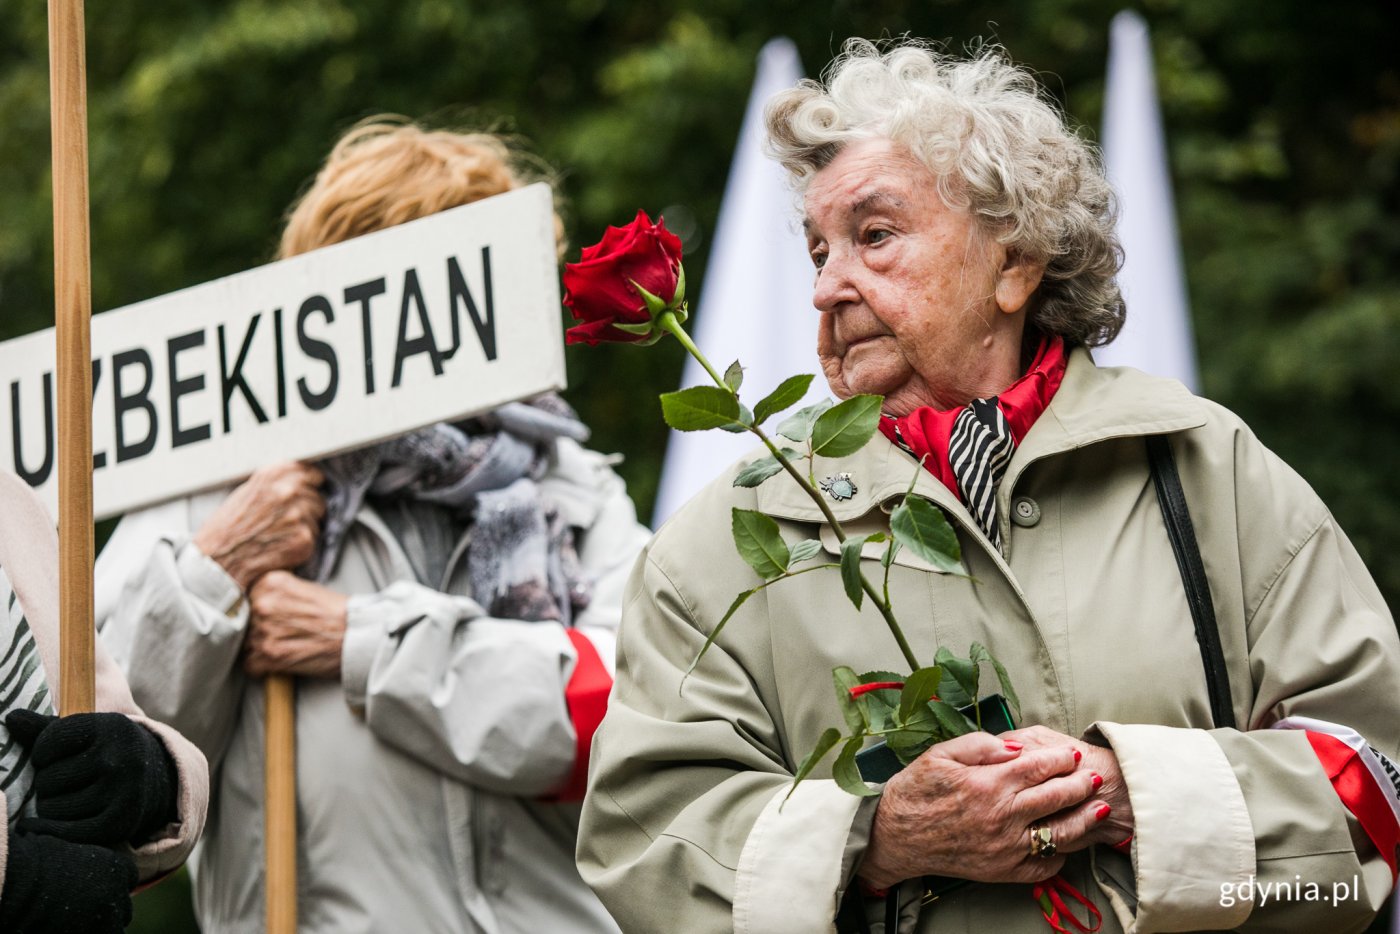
x=447 y=601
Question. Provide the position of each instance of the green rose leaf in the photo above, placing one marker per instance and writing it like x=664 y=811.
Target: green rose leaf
x=734 y=376
x=918 y=689
x=851 y=708
x=881 y=706
x=699 y=408
x=978 y=653
x=788 y=392
x=951 y=721
x=742 y=425
x=844 y=429
x=714 y=633
x=847 y=773
x=755 y=473
x=850 y=570
x=964 y=671
x=825 y=743
x=887 y=558
x=952 y=692
x=909 y=743
x=871 y=677
x=803 y=550
x=798 y=426
x=760 y=543
x=921 y=527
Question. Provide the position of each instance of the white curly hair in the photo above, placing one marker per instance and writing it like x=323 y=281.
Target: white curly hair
x=1000 y=150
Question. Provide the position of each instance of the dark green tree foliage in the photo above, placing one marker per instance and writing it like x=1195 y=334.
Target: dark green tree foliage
x=1283 y=120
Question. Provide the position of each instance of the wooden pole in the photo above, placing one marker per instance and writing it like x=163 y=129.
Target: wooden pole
x=72 y=319
x=280 y=805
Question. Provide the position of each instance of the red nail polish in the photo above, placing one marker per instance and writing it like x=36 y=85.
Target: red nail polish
x=1014 y=747
x=1098 y=780
x=1103 y=812
x=1078 y=755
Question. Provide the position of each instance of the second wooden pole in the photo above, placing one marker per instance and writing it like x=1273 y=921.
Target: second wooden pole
x=280 y=804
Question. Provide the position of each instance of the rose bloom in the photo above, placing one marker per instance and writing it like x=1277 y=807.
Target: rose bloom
x=599 y=289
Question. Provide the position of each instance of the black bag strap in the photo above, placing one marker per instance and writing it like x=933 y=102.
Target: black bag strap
x=1172 y=499
x=850 y=917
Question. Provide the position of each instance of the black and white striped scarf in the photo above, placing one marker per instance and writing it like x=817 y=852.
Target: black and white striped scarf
x=969 y=448
x=979 y=450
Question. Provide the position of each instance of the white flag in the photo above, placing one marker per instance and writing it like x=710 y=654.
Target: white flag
x=1157 y=336
x=756 y=306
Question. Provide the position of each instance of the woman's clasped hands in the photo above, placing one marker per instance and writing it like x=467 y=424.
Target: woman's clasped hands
x=967 y=808
x=266 y=528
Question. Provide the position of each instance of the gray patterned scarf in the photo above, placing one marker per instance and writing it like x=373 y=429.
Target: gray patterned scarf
x=482 y=476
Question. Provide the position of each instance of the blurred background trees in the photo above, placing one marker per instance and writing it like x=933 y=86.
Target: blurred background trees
x=1283 y=120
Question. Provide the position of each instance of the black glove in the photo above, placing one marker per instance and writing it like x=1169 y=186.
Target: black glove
x=98 y=777
x=55 y=887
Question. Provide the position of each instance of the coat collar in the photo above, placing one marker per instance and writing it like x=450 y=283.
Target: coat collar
x=1093 y=404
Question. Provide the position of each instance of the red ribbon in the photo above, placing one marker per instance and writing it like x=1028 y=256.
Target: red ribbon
x=1057 y=913
x=860 y=689
x=1360 y=794
x=586 y=696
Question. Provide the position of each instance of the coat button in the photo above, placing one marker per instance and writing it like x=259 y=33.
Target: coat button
x=1025 y=511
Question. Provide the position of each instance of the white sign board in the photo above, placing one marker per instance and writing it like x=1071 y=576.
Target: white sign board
x=430 y=321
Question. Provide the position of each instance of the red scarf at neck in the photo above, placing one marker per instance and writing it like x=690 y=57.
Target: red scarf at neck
x=925 y=431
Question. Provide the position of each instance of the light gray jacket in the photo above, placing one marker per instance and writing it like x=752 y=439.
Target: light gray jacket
x=422 y=777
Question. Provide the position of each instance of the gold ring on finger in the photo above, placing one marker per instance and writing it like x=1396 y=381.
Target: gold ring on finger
x=1042 y=841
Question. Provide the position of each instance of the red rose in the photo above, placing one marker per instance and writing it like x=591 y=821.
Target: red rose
x=601 y=289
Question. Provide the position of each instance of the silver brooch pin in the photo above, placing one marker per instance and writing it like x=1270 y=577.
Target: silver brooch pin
x=839 y=487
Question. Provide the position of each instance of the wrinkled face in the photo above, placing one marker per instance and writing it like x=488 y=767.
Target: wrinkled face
x=906 y=286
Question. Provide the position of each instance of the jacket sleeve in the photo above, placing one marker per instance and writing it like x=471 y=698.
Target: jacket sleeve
x=171 y=845
x=1250 y=828
x=505 y=705
x=174 y=623
x=686 y=786
x=35 y=569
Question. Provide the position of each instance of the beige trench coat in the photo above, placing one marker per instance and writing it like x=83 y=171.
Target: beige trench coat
x=1087 y=610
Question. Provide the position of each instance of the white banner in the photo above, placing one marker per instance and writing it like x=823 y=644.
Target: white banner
x=429 y=321
x=1157 y=336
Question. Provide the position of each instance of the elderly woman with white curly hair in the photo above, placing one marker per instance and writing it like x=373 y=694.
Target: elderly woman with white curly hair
x=1206 y=671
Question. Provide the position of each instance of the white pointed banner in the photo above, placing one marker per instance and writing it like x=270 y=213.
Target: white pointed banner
x=1157 y=337
x=756 y=306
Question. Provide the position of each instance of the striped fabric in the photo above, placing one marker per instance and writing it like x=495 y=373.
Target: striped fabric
x=969 y=448
x=980 y=446
x=979 y=449
x=22 y=685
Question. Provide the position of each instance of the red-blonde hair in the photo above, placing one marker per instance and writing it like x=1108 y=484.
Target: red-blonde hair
x=387 y=170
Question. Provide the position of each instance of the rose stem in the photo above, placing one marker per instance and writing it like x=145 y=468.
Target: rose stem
x=667 y=321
